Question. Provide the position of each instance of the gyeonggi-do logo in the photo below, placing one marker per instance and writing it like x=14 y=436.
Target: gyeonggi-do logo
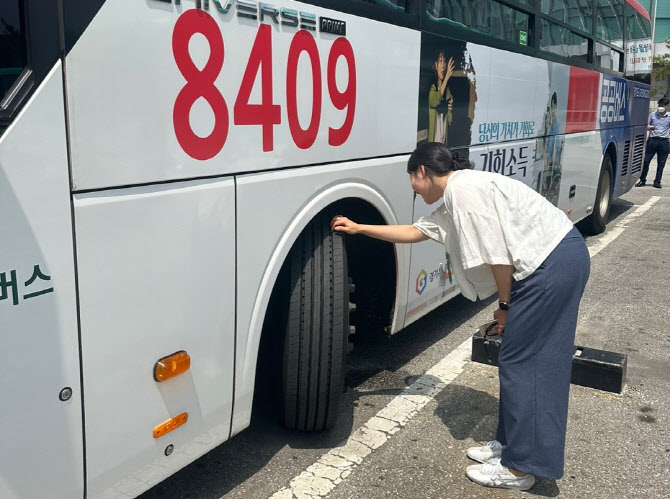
x=421 y=281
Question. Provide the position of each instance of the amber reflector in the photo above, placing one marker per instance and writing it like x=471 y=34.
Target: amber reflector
x=170 y=424
x=171 y=366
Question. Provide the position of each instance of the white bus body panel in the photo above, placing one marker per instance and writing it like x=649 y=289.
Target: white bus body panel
x=431 y=278
x=41 y=437
x=273 y=209
x=156 y=275
x=121 y=112
x=429 y=284
x=581 y=168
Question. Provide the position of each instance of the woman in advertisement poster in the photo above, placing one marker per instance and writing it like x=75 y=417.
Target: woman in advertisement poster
x=550 y=177
x=503 y=236
x=553 y=133
x=440 y=100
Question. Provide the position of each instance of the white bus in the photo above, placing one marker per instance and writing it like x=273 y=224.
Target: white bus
x=168 y=169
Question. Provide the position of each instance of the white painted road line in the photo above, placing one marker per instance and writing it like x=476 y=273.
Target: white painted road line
x=614 y=232
x=337 y=464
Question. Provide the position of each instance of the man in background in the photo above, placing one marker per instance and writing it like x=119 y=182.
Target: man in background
x=658 y=143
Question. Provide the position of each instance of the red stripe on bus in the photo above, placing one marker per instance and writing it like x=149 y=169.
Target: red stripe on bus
x=583 y=95
x=639 y=8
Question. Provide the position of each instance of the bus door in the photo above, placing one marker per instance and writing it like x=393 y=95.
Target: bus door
x=40 y=406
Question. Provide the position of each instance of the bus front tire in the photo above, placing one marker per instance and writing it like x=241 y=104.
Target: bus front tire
x=316 y=328
x=596 y=223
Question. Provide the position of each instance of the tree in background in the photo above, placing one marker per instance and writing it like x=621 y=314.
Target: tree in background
x=661 y=73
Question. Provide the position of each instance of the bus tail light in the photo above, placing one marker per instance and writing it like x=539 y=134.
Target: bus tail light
x=170 y=424
x=171 y=366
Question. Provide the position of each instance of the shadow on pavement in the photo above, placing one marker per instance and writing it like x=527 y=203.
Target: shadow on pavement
x=468 y=413
x=478 y=422
x=619 y=208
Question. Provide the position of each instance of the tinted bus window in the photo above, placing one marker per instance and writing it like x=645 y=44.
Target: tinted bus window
x=609 y=27
x=609 y=22
x=12 y=44
x=577 y=13
x=561 y=41
x=638 y=47
x=484 y=16
x=608 y=58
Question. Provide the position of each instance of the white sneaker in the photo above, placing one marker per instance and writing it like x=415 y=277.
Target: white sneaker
x=482 y=454
x=494 y=474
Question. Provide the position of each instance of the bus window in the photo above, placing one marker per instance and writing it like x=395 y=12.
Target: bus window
x=484 y=16
x=12 y=45
x=576 y=13
x=609 y=23
x=638 y=47
x=609 y=28
x=563 y=42
x=608 y=58
x=644 y=46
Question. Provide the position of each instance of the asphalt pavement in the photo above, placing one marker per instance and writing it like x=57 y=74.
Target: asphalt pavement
x=617 y=444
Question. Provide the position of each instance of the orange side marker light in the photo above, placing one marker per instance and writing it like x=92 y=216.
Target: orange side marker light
x=170 y=424
x=171 y=366
x=570 y=211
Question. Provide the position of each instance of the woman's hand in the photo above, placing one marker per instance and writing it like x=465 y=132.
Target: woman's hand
x=343 y=224
x=450 y=71
x=501 y=318
x=390 y=233
x=451 y=65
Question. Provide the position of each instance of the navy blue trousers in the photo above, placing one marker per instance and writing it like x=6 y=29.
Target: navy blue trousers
x=535 y=361
x=661 y=147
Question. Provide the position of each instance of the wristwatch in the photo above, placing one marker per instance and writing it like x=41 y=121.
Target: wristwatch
x=503 y=305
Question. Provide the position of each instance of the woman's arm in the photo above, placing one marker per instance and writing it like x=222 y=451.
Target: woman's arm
x=502 y=274
x=390 y=233
x=503 y=277
x=450 y=107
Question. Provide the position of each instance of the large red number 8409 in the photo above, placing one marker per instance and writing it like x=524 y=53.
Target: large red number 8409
x=200 y=83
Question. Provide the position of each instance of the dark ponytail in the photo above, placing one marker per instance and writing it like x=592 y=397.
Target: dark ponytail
x=437 y=159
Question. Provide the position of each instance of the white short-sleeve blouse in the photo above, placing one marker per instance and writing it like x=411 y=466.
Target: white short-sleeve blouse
x=489 y=219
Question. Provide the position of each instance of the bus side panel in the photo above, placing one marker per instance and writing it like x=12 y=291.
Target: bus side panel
x=156 y=276
x=582 y=158
x=639 y=114
x=432 y=280
x=273 y=209
x=129 y=95
x=40 y=435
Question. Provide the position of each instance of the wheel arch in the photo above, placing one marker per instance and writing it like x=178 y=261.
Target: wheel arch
x=331 y=196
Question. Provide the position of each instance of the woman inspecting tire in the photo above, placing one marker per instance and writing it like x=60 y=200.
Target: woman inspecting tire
x=503 y=236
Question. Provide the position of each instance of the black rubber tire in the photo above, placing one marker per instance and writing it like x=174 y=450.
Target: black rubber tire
x=596 y=223
x=317 y=328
